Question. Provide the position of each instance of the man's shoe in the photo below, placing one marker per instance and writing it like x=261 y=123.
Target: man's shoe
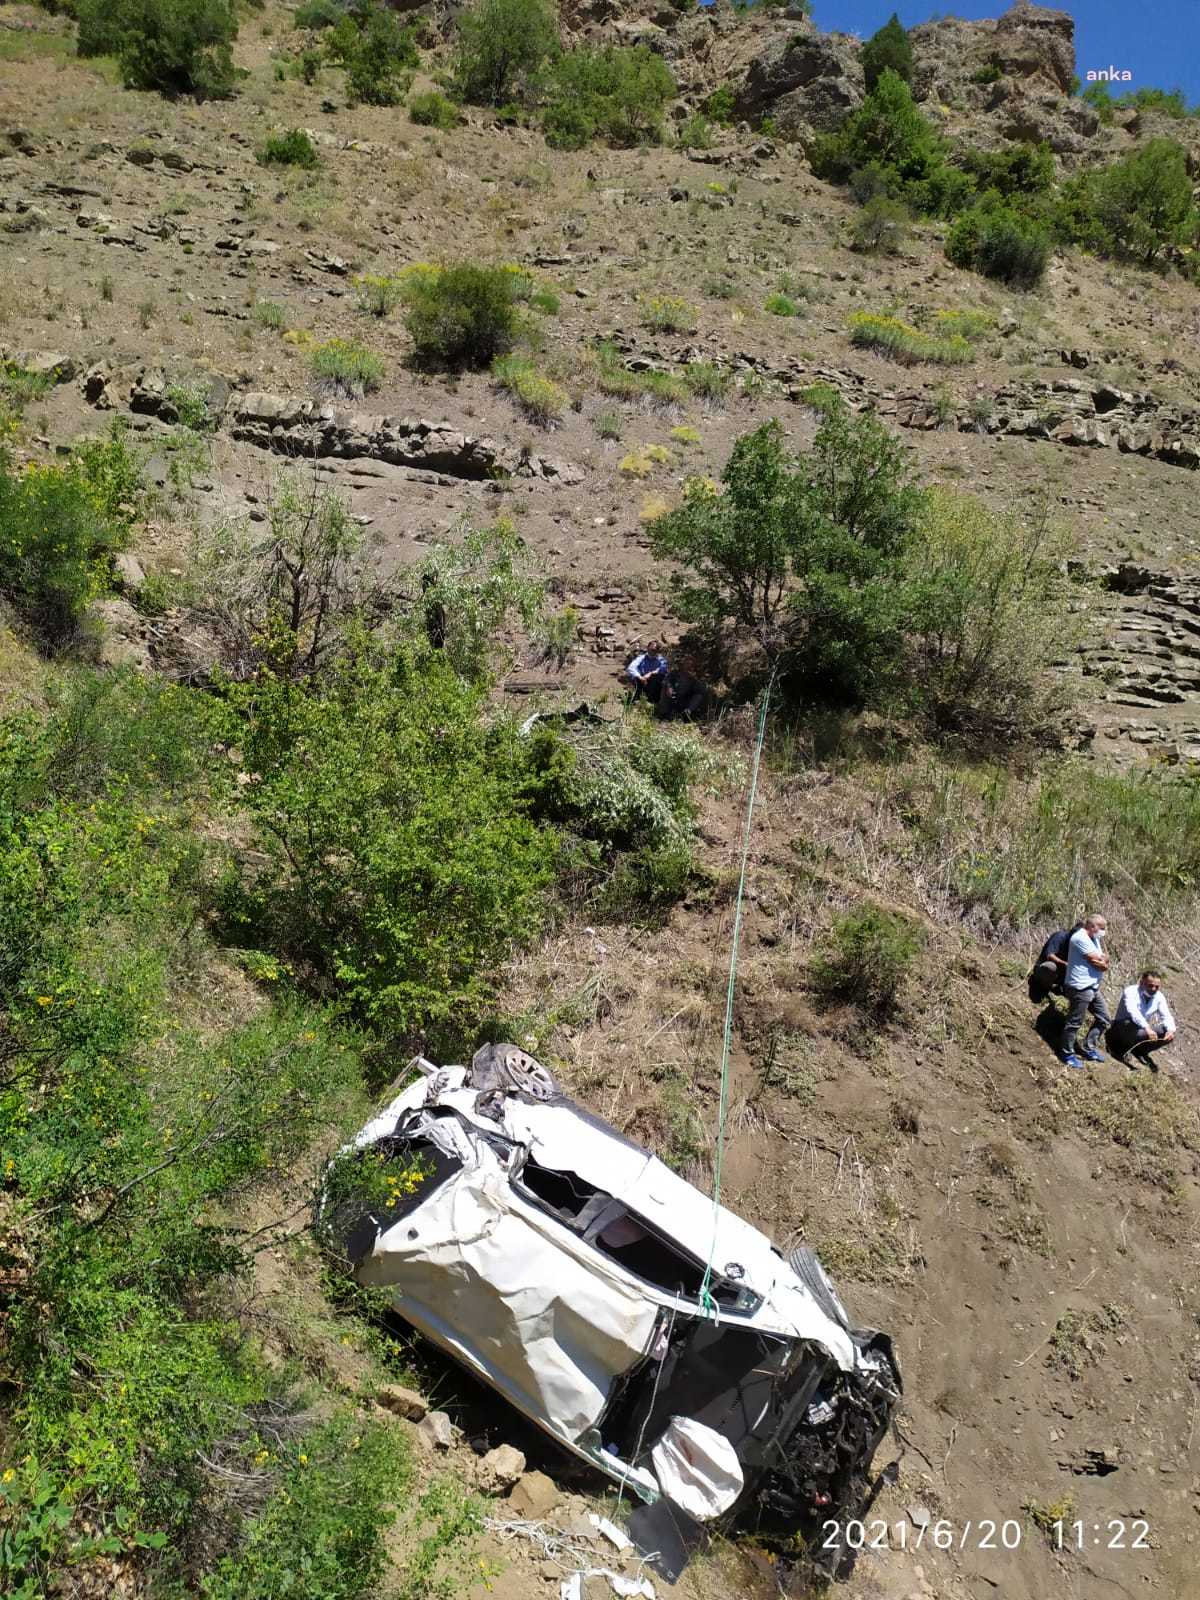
x=1092 y=1055
x=1071 y=1061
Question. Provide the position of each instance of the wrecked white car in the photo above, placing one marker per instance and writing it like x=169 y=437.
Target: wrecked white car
x=661 y=1338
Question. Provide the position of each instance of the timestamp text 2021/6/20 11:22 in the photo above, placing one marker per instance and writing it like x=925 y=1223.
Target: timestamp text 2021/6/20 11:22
x=1115 y=1533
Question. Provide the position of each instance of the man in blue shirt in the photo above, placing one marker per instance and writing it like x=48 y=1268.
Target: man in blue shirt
x=1086 y=966
x=646 y=672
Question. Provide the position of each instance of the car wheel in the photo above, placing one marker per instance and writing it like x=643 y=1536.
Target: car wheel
x=804 y=1263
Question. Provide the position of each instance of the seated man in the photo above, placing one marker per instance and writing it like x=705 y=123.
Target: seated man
x=1046 y=975
x=1143 y=1024
x=646 y=672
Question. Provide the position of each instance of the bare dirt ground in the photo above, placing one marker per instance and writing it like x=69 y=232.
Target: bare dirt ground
x=1031 y=1238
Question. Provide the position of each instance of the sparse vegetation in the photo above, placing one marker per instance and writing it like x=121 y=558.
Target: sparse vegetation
x=346 y=367
x=542 y=400
x=867 y=958
x=663 y=313
x=902 y=343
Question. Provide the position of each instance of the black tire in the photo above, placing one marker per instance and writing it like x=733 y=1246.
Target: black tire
x=805 y=1264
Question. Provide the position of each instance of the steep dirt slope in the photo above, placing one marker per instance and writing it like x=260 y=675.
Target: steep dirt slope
x=1031 y=1239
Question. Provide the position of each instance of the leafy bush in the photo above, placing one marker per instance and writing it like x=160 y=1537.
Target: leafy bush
x=270 y=314
x=706 y=379
x=502 y=44
x=989 y=613
x=867 y=958
x=433 y=110
x=338 y=1490
x=696 y=133
x=319 y=14
x=888 y=50
x=1144 y=203
x=175 y=46
x=464 y=316
x=881 y=227
x=616 y=94
x=721 y=105
x=291 y=149
x=781 y=305
x=59 y=528
x=346 y=367
x=1171 y=102
x=902 y=343
x=403 y=868
x=1099 y=97
x=541 y=399
x=995 y=240
x=378 y=52
x=665 y=313
x=1017 y=169
x=886 y=131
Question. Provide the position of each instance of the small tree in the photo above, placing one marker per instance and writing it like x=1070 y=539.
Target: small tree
x=615 y=94
x=501 y=45
x=175 y=46
x=888 y=50
x=886 y=131
x=1144 y=203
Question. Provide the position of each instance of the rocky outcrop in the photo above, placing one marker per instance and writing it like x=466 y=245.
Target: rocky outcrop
x=1036 y=45
x=296 y=427
x=804 y=80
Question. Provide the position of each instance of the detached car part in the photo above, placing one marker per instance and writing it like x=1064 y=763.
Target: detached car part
x=566 y=1267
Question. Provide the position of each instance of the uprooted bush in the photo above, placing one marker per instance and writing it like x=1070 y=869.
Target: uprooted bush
x=179 y=47
x=867 y=957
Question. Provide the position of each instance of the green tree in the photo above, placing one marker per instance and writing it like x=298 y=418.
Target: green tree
x=804 y=551
x=888 y=50
x=178 y=47
x=616 y=94
x=887 y=130
x=1144 y=203
x=502 y=44
x=464 y=316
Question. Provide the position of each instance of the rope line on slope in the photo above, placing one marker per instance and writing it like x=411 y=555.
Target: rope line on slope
x=707 y=1302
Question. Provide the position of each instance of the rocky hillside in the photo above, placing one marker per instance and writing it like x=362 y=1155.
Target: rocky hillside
x=1031 y=1241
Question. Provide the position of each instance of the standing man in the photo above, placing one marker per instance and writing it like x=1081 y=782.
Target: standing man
x=1144 y=1022
x=1086 y=966
x=647 y=672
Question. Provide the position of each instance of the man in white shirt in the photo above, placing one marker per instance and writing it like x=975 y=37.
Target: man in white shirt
x=1086 y=966
x=1144 y=1022
x=647 y=673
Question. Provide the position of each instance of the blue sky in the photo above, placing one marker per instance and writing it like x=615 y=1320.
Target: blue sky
x=1157 y=40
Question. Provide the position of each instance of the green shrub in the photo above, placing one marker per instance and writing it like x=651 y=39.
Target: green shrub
x=721 y=105
x=616 y=94
x=803 y=552
x=706 y=379
x=464 y=316
x=995 y=240
x=1099 y=97
x=990 y=72
x=609 y=424
x=187 y=404
x=781 y=305
x=433 y=110
x=378 y=52
x=542 y=400
x=1017 y=169
x=902 y=343
x=502 y=44
x=1170 y=102
x=695 y=133
x=403 y=868
x=270 y=314
x=887 y=132
x=20 y=388
x=989 y=611
x=546 y=301
x=291 y=149
x=318 y=14
x=869 y=955
x=175 y=46
x=1144 y=203
x=59 y=528
x=614 y=378
x=881 y=227
x=664 y=313
x=888 y=50
x=346 y=367
x=338 y=1490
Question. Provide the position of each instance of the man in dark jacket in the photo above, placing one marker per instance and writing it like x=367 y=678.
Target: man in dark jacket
x=1046 y=977
x=683 y=695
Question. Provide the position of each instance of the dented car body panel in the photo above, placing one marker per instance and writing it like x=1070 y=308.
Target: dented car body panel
x=606 y=1298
